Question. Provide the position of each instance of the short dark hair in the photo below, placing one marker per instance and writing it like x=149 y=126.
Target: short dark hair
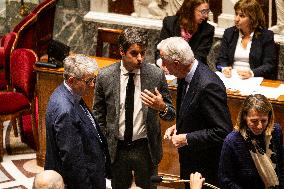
x=132 y=36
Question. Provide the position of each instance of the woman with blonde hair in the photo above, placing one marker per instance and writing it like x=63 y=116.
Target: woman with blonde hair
x=248 y=48
x=252 y=156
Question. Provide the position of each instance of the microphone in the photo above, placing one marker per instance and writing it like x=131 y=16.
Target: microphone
x=159 y=179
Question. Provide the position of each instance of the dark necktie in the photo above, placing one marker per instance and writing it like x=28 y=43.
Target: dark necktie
x=87 y=112
x=129 y=108
x=184 y=87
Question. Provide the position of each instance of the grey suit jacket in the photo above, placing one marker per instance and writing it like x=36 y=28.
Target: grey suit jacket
x=107 y=111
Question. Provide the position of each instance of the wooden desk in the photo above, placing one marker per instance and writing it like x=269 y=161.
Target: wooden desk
x=47 y=80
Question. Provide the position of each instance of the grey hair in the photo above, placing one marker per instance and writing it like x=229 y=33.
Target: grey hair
x=176 y=48
x=79 y=65
x=48 y=179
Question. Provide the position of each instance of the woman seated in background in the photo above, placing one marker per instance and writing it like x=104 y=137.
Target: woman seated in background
x=252 y=156
x=190 y=23
x=248 y=48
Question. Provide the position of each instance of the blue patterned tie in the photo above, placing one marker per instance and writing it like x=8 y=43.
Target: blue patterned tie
x=87 y=112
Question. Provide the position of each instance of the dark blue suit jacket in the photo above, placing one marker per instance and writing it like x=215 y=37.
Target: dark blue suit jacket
x=204 y=116
x=237 y=169
x=262 y=57
x=73 y=148
x=200 y=42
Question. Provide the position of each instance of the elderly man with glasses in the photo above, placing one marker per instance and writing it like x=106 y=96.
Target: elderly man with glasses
x=75 y=146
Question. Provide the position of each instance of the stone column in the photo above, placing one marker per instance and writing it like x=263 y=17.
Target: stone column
x=279 y=27
x=99 y=5
x=226 y=19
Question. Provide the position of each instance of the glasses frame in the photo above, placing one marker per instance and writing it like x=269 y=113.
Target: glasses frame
x=89 y=80
x=204 y=12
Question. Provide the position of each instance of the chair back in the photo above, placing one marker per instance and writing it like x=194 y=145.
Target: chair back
x=26 y=33
x=107 y=43
x=45 y=13
x=22 y=71
x=7 y=42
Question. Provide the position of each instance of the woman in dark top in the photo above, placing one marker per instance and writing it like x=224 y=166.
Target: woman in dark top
x=252 y=156
x=190 y=22
x=248 y=49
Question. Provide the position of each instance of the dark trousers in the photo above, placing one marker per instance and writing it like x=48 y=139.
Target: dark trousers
x=133 y=158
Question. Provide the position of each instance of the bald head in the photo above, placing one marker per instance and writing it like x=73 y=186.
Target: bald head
x=48 y=179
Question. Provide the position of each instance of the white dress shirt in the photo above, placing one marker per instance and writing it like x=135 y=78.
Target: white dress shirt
x=241 y=57
x=139 y=129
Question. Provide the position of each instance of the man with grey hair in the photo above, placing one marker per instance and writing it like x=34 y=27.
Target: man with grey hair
x=48 y=179
x=203 y=117
x=130 y=97
x=75 y=146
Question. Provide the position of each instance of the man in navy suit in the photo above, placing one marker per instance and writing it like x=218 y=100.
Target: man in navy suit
x=203 y=118
x=75 y=146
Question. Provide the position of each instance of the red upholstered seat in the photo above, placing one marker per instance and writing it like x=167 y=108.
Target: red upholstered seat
x=2 y=58
x=11 y=102
x=13 y=105
x=7 y=42
x=3 y=81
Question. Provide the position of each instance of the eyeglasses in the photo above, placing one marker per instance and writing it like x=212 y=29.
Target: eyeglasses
x=204 y=12
x=89 y=80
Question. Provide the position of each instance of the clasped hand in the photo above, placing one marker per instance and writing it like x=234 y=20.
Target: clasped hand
x=243 y=74
x=178 y=140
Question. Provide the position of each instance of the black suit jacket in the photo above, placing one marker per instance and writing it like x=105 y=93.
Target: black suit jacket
x=200 y=42
x=262 y=56
x=204 y=116
x=73 y=146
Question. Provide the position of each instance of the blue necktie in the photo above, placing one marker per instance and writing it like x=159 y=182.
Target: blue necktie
x=87 y=112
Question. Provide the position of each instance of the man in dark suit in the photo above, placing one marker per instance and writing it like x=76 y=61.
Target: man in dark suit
x=75 y=146
x=203 y=118
x=131 y=122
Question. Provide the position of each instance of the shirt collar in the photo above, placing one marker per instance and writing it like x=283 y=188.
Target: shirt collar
x=76 y=97
x=125 y=72
x=190 y=74
x=242 y=35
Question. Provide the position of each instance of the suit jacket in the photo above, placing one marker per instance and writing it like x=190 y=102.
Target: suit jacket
x=237 y=168
x=262 y=56
x=73 y=146
x=200 y=42
x=107 y=106
x=204 y=116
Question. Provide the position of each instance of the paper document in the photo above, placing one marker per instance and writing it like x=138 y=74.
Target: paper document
x=171 y=80
x=235 y=83
x=250 y=86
